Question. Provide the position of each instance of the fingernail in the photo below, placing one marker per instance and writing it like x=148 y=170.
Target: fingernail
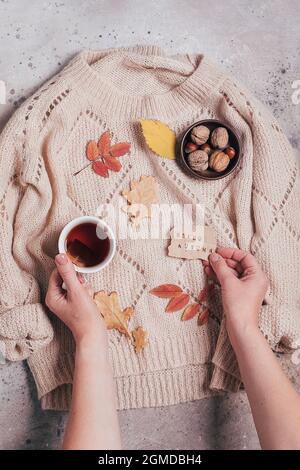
x=214 y=257
x=61 y=259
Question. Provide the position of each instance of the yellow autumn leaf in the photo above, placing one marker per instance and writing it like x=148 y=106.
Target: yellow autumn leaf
x=159 y=138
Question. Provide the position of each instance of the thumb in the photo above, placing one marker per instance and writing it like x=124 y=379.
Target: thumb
x=67 y=272
x=221 y=270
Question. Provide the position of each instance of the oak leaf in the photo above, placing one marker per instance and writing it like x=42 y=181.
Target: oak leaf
x=159 y=138
x=114 y=317
x=141 y=195
x=139 y=339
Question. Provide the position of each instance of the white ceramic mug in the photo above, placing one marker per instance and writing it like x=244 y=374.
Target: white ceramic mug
x=103 y=226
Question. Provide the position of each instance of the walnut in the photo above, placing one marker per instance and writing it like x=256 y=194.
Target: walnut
x=219 y=138
x=200 y=135
x=219 y=161
x=198 y=160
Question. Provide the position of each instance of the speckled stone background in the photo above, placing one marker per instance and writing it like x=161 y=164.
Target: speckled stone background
x=257 y=41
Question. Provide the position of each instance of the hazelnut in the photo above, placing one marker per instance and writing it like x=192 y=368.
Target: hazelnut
x=206 y=148
x=230 y=151
x=190 y=147
x=219 y=161
x=198 y=160
x=200 y=135
x=219 y=138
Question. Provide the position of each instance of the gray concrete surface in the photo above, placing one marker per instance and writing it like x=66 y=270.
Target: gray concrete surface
x=258 y=42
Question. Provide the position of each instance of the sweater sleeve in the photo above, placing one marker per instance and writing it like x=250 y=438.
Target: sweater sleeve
x=24 y=325
x=275 y=239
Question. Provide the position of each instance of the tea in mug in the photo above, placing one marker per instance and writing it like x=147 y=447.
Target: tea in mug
x=87 y=245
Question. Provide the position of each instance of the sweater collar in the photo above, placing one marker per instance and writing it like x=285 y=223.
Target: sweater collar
x=192 y=92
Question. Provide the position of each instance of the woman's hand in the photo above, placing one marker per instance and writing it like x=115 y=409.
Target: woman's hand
x=243 y=288
x=93 y=421
x=275 y=404
x=75 y=306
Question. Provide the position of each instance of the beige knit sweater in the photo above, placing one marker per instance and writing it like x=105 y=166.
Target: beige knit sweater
x=255 y=208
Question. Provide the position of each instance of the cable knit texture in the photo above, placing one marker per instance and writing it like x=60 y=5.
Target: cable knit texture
x=255 y=208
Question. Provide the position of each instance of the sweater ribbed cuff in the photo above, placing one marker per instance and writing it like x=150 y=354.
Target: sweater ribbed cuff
x=24 y=330
x=226 y=374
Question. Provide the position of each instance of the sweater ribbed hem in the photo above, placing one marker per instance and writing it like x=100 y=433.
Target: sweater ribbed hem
x=161 y=388
x=192 y=92
x=167 y=377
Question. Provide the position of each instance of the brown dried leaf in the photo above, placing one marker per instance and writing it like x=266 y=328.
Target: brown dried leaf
x=177 y=302
x=140 y=339
x=190 y=312
x=203 y=317
x=114 y=317
x=141 y=195
x=166 y=291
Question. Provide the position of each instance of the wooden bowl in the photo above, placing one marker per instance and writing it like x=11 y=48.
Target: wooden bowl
x=210 y=174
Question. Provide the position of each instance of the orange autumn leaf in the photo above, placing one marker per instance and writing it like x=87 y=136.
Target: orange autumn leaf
x=104 y=144
x=92 y=151
x=100 y=168
x=120 y=149
x=102 y=155
x=177 y=302
x=112 y=163
x=166 y=291
x=205 y=292
x=203 y=317
x=190 y=312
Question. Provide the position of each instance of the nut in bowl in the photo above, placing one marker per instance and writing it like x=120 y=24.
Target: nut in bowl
x=209 y=150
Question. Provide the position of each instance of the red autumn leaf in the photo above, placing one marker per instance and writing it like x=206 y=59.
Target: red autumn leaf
x=205 y=292
x=92 y=151
x=104 y=144
x=177 y=302
x=120 y=149
x=203 y=317
x=190 y=311
x=100 y=169
x=166 y=291
x=112 y=163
